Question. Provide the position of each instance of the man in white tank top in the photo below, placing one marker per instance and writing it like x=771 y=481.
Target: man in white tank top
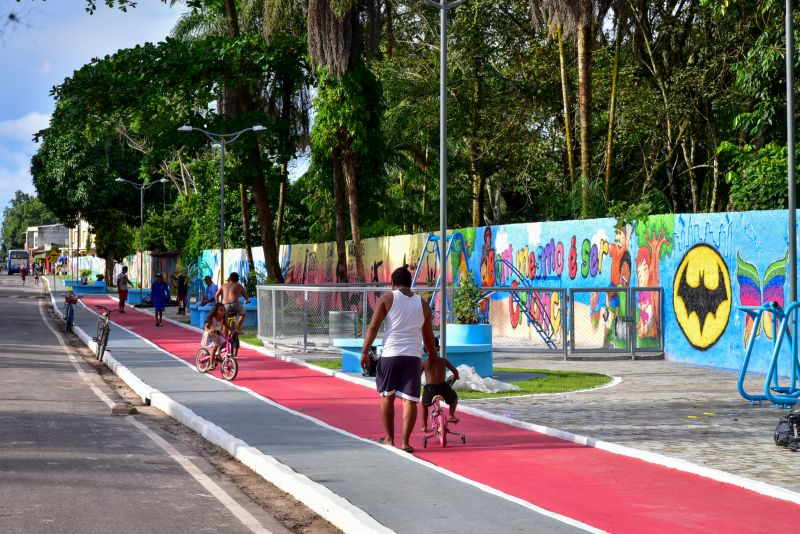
x=408 y=326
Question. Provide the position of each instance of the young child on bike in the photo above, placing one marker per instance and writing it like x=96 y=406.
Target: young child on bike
x=215 y=325
x=435 y=384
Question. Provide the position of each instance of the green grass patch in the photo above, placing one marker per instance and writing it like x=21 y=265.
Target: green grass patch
x=552 y=382
x=334 y=364
x=253 y=340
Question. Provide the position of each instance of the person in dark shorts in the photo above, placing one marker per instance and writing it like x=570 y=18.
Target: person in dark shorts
x=435 y=384
x=407 y=325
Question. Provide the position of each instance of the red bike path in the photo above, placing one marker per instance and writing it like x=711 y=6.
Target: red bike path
x=608 y=491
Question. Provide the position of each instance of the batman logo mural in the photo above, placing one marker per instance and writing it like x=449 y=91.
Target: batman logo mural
x=702 y=296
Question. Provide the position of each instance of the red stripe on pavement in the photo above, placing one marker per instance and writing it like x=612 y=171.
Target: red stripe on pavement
x=608 y=491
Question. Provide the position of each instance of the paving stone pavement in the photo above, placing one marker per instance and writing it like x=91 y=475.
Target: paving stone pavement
x=682 y=411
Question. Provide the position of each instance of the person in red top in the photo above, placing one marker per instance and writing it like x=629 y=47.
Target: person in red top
x=408 y=324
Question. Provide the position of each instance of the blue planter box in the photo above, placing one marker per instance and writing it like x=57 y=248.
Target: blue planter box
x=68 y=283
x=198 y=314
x=134 y=298
x=466 y=344
x=471 y=344
x=93 y=289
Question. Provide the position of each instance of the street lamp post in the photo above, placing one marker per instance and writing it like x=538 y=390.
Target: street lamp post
x=443 y=7
x=142 y=188
x=223 y=140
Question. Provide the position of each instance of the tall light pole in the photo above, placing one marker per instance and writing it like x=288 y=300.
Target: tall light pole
x=223 y=140
x=443 y=6
x=790 y=149
x=142 y=188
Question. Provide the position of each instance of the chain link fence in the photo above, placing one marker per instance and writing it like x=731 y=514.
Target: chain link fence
x=531 y=320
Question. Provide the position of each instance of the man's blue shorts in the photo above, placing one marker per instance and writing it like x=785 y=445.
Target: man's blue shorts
x=401 y=376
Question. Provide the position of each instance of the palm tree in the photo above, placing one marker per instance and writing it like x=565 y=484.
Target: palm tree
x=582 y=19
x=281 y=98
x=334 y=43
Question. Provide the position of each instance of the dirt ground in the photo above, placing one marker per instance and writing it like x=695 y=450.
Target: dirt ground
x=290 y=512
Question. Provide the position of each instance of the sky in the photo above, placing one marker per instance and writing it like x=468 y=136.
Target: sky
x=51 y=40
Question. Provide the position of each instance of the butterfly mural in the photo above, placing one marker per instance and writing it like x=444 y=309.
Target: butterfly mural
x=753 y=293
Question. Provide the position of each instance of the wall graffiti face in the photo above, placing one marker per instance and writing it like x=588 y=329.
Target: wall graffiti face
x=702 y=296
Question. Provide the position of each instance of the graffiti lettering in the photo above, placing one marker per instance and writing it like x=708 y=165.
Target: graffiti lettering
x=573 y=259
x=513 y=308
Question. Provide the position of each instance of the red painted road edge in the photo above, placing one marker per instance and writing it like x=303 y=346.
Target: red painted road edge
x=607 y=491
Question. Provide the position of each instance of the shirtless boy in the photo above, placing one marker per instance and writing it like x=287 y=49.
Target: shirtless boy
x=229 y=295
x=434 y=369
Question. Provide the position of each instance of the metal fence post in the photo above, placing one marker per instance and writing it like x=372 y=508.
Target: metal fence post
x=571 y=319
x=631 y=322
x=305 y=321
x=274 y=320
x=563 y=326
x=364 y=306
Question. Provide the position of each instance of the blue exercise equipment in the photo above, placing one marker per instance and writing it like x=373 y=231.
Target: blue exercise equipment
x=785 y=325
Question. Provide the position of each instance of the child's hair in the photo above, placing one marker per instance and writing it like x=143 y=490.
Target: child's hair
x=216 y=307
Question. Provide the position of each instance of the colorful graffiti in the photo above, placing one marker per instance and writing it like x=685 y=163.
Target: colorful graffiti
x=688 y=256
x=751 y=292
x=702 y=296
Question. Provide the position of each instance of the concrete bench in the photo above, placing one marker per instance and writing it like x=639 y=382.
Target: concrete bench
x=198 y=314
x=477 y=356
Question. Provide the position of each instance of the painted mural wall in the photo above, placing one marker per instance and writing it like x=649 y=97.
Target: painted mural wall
x=707 y=265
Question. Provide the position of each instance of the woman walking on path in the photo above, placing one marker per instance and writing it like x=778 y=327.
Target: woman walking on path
x=160 y=294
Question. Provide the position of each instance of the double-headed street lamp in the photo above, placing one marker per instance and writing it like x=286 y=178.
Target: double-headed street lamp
x=223 y=140
x=142 y=188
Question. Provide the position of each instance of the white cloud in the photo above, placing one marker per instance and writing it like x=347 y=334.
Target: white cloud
x=23 y=128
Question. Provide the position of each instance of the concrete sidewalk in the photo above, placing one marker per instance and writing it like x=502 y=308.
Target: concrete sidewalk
x=681 y=411
x=357 y=485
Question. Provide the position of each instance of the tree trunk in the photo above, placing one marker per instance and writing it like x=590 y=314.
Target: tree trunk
x=248 y=243
x=281 y=203
x=286 y=114
x=339 y=201
x=585 y=100
x=264 y=214
x=612 y=108
x=565 y=98
x=688 y=156
x=350 y=167
x=478 y=186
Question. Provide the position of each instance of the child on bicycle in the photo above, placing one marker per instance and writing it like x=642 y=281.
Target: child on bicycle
x=215 y=325
x=435 y=384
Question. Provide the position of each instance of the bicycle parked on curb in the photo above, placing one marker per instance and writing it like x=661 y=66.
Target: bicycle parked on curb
x=226 y=354
x=103 y=328
x=70 y=300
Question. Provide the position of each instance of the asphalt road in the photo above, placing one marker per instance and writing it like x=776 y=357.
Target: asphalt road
x=68 y=465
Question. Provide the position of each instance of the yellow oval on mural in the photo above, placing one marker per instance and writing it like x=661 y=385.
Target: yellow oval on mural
x=702 y=296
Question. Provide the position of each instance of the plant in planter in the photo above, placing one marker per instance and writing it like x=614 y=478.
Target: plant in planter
x=100 y=277
x=85 y=274
x=466 y=299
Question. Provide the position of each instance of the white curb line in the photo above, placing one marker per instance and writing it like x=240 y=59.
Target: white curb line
x=335 y=509
x=755 y=486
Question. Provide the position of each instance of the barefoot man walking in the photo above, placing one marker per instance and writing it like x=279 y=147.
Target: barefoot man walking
x=408 y=325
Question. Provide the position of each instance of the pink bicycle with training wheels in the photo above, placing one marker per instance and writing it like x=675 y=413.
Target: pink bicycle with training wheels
x=226 y=356
x=439 y=425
